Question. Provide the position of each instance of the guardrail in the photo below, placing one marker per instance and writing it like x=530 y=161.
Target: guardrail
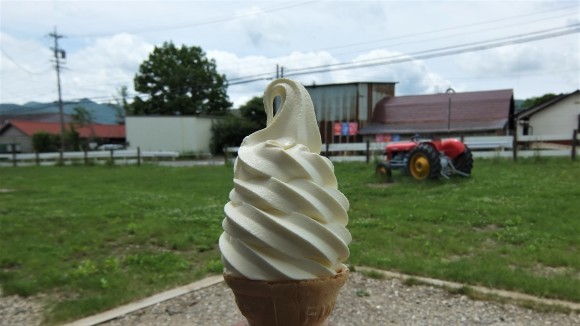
x=87 y=157
x=481 y=146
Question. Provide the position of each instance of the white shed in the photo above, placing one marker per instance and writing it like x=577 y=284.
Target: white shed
x=558 y=116
x=183 y=134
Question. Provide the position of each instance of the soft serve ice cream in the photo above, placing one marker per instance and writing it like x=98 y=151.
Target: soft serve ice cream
x=286 y=217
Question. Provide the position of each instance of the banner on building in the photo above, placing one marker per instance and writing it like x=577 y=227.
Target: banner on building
x=385 y=138
x=345 y=128
x=382 y=138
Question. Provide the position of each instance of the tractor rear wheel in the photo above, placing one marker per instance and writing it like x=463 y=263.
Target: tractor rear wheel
x=424 y=163
x=464 y=161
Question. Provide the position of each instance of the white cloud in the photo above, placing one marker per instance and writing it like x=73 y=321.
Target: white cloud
x=262 y=29
x=504 y=60
x=413 y=77
x=106 y=41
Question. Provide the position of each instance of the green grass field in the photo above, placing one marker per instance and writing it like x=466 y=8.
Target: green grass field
x=92 y=238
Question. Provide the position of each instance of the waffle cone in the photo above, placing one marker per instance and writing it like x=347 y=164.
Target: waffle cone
x=291 y=303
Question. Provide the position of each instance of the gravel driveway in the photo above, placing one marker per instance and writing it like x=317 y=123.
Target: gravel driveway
x=363 y=301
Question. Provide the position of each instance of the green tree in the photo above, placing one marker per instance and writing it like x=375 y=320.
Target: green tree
x=44 y=142
x=254 y=111
x=537 y=100
x=72 y=138
x=82 y=118
x=230 y=132
x=179 y=81
x=121 y=106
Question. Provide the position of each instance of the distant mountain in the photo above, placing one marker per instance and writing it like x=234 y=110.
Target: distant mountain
x=102 y=113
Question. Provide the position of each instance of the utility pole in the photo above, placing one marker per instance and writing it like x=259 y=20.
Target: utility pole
x=449 y=91
x=58 y=55
x=279 y=71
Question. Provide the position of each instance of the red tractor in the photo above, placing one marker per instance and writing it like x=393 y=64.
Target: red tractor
x=427 y=159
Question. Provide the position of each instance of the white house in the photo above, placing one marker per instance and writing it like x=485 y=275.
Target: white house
x=558 y=116
x=183 y=134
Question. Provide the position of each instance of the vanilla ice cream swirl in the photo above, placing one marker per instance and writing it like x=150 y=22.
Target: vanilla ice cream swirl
x=286 y=217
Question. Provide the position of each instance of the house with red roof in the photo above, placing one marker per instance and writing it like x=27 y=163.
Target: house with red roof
x=483 y=113
x=20 y=132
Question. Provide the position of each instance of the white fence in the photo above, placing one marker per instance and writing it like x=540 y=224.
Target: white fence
x=481 y=146
x=485 y=147
x=96 y=157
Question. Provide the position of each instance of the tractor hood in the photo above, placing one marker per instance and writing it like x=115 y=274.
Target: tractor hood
x=403 y=146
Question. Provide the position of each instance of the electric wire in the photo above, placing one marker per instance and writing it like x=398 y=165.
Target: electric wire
x=201 y=23
x=427 y=54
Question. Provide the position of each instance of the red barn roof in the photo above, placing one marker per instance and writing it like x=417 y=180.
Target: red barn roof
x=458 y=112
x=95 y=130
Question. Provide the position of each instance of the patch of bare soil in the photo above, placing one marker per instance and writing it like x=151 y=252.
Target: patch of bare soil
x=380 y=185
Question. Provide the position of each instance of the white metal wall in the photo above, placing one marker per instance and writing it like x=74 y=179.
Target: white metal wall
x=181 y=134
x=561 y=118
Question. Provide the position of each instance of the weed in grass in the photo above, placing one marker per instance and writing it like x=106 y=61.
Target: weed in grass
x=412 y=281
x=214 y=266
x=361 y=293
x=373 y=274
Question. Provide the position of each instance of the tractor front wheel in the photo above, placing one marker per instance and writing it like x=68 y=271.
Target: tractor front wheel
x=424 y=163
x=384 y=172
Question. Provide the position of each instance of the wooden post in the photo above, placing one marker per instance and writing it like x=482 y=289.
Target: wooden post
x=13 y=146
x=37 y=158
x=112 y=157
x=515 y=146
x=225 y=150
x=368 y=151
x=86 y=156
x=138 y=156
x=574 y=143
x=327 y=149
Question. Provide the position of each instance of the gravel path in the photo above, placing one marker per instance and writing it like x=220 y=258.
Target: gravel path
x=363 y=301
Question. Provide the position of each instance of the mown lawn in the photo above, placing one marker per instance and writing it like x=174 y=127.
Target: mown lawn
x=95 y=237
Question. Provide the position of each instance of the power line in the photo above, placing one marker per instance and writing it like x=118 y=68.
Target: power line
x=206 y=22
x=19 y=66
x=460 y=27
x=511 y=18
x=427 y=54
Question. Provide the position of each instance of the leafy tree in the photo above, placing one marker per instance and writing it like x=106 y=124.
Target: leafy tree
x=254 y=111
x=44 y=142
x=533 y=101
x=73 y=138
x=230 y=132
x=121 y=105
x=82 y=118
x=180 y=81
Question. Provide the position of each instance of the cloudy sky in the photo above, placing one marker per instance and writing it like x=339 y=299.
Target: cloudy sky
x=532 y=47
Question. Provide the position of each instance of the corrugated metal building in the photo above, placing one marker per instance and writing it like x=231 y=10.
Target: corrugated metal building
x=343 y=109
